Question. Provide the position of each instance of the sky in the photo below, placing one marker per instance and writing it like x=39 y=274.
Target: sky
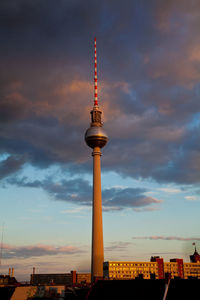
x=148 y=55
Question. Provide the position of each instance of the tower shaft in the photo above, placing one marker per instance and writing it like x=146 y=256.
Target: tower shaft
x=97 y=225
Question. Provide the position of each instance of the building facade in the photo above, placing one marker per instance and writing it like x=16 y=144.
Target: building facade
x=6 y=280
x=155 y=269
x=191 y=270
x=130 y=270
x=69 y=279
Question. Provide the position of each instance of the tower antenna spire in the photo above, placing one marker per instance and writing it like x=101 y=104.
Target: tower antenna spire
x=95 y=74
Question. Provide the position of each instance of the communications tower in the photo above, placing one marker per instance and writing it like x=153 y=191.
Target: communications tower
x=96 y=138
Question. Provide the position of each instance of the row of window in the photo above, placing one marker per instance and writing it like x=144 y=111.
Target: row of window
x=135 y=264
x=132 y=272
x=133 y=268
x=127 y=276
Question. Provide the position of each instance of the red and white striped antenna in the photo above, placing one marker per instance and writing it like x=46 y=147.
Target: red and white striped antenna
x=95 y=74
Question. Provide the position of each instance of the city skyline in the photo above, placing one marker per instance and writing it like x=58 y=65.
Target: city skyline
x=149 y=75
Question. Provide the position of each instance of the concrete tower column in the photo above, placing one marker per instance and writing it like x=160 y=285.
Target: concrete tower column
x=97 y=225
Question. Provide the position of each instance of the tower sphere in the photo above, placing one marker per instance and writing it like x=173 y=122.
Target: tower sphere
x=95 y=136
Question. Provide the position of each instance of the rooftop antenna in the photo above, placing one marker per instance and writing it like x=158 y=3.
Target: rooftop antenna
x=195 y=249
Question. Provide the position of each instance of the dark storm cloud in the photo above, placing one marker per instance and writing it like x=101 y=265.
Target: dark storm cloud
x=10 y=165
x=149 y=78
x=43 y=141
x=79 y=191
x=12 y=105
x=127 y=197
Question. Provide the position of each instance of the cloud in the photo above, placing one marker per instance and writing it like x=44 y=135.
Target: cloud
x=118 y=246
x=149 y=85
x=151 y=208
x=79 y=191
x=10 y=165
x=191 y=198
x=128 y=197
x=170 y=190
x=13 y=106
x=11 y=251
x=167 y=238
x=168 y=253
x=111 y=208
x=76 y=210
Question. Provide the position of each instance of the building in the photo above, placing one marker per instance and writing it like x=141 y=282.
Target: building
x=83 y=278
x=6 y=280
x=175 y=268
x=130 y=270
x=160 y=266
x=51 y=279
x=191 y=270
x=69 y=279
x=150 y=270
x=156 y=268
x=96 y=138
